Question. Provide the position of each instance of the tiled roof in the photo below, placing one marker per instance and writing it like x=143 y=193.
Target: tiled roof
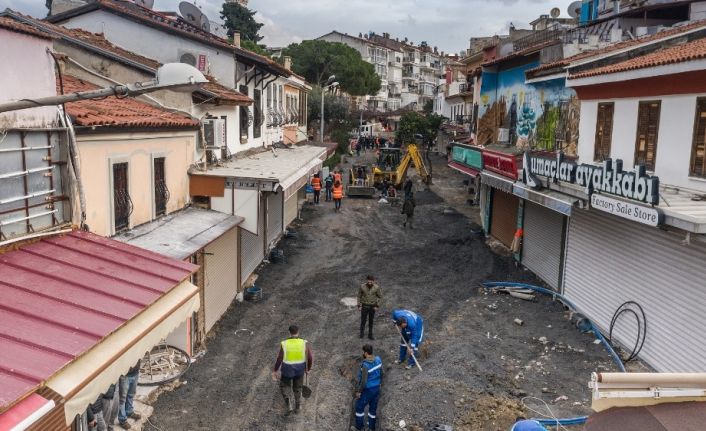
x=12 y=25
x=226 y=94
x=689 y=51
x=523 y=52
x=674 y=31
x=114 y=112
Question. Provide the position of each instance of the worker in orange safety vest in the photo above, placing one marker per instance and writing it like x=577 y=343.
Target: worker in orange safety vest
x=337 y=194
x=316 y=184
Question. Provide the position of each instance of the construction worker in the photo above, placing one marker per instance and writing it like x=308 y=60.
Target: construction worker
x=527 y=425
x=368 y=389
x=337 y=194
x=337 y=177
x=295 y=359
x=369 y=300
x=407 y=187
x=411 y=327
x=328 y=184
x=408 y=210
x=316 y=184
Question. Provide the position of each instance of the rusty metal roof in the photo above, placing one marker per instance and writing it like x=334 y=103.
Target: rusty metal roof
x=63 y=294
x=689 y=416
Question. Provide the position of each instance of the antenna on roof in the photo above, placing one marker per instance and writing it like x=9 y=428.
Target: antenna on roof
x=145 y=3
x=574 y=9
x=194 y=16
x=555 y=12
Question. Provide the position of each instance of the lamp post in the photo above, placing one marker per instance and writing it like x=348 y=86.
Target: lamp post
x=329 y=84
x=171 y=76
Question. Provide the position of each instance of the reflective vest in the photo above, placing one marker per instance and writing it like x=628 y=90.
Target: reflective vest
x=316 y=183
x=294 y=357
x=374 y=372
x=338 y=192
x=337 y=177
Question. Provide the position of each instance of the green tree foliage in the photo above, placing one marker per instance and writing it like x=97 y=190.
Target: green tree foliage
x=335 y=107
x=242 y=20
x=413 y=123
x=254 y=47
x=316 y=60
x=428 y=107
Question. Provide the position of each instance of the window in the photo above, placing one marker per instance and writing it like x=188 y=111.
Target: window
x=161 y=192
x=698 y=145
x=257 y=113
x=244 y=115
x=604 y=131
x=122 y=204
x=302 y=108
x=647 y=129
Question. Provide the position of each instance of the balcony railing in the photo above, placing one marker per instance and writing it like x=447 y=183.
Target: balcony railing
x=537 y=38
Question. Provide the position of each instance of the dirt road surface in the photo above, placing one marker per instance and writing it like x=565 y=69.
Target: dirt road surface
x=478 y=364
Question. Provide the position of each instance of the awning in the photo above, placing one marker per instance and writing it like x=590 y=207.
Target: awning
x=181 y=234
x=298 y=179
x=553 y=200
x=25 y=413
x=81 y=382
x=497 y=182
x=464 y=169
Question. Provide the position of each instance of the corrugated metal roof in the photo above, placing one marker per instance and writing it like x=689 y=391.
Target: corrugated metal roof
x=63 y=294
x=688 y=416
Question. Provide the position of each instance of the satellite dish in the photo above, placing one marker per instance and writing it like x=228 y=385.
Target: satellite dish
x=192 y=14
x=145 y=3
x=574 y=9
x=555 y=12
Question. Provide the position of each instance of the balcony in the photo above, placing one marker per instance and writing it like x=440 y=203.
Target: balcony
x=537 y=38
x=410 y=76
x=410 y=60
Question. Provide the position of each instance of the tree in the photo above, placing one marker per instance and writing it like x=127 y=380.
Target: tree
x=254 y=47
x=413 y=123
x=428 y=107
x=240 y=19
x=316 y=60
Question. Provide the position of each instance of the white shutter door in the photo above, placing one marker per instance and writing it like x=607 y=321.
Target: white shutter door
x=610 y=261
x=221 y=283
x=291 y=207
x=274 y=216
x=542 y=243
x=251 y=249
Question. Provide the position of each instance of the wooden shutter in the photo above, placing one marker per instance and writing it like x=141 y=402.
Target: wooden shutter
x=647 y=132
x=698 y=145
x=604 y=131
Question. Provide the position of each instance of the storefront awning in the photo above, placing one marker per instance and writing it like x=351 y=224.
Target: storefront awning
x=298 y=179
x=497 y=182
x=65 y=295
x=464 y=169
x=181 y=234
x=689 y=416
x=555 y=201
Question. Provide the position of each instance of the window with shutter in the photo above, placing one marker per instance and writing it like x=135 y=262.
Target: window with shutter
x=161 y=192
x=698 y=144
x=122 y=204
x=244 y=120
x=257 y=113
x=604 y=131
x=647 y=132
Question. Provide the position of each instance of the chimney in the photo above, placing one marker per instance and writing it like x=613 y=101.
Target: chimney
x=288 y=62
x=236 y=39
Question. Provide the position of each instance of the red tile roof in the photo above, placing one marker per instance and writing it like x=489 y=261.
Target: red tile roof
x=225 y=94
x=689 y=51
x=12 y=25
x=674 y=31
x=64 y=294
x=115 y=112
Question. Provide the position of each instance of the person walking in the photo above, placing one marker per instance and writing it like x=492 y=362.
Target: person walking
x=337 y=195
x=295 y=360
x=411 y=326
x=128 y=388
x=407 y=187
x=337 y=177
x=316 y=184
x=408 y=211
x=357 y=148
x=328 y=184
x=369 y=300
x=385 y=187
x=367 y=390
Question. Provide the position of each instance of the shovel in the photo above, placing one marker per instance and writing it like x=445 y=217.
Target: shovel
x=306 y=390
x=411 y=350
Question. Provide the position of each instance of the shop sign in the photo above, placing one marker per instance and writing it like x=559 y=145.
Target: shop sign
x=608 y=177
x=249 y=184
x=627 y=210
x=466 y=156
x=500 y=163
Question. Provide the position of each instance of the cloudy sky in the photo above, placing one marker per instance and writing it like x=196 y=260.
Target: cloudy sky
x=447 y=24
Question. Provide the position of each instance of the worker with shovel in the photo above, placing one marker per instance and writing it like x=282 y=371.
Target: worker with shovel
x=411 y=327
x=295 y=359
x=368 y=390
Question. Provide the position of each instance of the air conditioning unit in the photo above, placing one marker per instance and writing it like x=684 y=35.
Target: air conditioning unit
x=197 y=59
x=214 y=130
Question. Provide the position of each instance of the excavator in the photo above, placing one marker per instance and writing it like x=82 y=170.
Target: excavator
x=393 y=166
x=360 y=182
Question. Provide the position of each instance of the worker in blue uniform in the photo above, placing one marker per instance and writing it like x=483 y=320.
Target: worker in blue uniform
x=411 y=326
x=527 y=425
x=368 y=389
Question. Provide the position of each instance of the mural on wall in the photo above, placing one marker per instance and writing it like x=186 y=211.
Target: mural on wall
x=542 y=116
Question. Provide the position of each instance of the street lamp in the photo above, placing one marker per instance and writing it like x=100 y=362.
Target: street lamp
x=171 y=76
x=329 y=84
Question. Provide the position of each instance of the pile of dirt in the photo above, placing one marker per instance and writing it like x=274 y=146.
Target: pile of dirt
x=490 y=414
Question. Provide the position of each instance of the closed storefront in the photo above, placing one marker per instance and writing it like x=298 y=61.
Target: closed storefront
x=252 y=248
x=503 y=216
x=221 y=283
x=610 y=260
x=291 y=208
x=543 y=242
x=275 y=213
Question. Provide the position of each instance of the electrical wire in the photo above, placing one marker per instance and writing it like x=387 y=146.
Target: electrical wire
x=551 y=415
x=641 y=327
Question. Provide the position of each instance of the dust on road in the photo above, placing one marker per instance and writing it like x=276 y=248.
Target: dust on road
x=473 y=352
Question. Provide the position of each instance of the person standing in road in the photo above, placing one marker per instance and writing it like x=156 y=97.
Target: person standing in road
x=407 y=187
x=408 y=211
x=367 y=391
x=295 y=360
x=316 y=184
x=369 y=300
x=337 y=194
x=337 y=177
x=328 y=183
x=128 y=388
x=411 y=326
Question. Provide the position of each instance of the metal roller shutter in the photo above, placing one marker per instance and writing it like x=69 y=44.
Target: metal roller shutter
x=610 y=260
x=543 y=242
x=291 y=207
x=252 y=250
x=221 y=284
x=274 y=216
x=504 y=216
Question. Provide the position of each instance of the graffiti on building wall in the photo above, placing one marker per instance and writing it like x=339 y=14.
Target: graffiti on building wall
x=542 y=115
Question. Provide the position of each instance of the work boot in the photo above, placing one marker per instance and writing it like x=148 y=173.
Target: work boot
x=125 y=425
x=361 y=335
x=370 y=336
x=288 y=405
x=135 y=415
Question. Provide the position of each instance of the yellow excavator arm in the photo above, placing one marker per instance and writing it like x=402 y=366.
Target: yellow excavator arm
x=413 y=154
